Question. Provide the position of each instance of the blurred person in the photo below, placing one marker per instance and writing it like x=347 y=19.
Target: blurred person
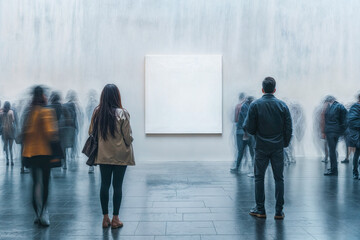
x=8 y=131
x=299 y=126
x=242 y=98
x=68 y=128
x=243 y=138
x=269 y=120
x=39 y=130
x=72 y=97
x=334 y=127
x=55 y=103
x=319 y=124
x=115 y=151
x=346 y=138
x=91 y=105
x=23 y=109
x=353 y=119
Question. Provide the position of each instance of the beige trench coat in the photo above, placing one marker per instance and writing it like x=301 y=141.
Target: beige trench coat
x=117 y=150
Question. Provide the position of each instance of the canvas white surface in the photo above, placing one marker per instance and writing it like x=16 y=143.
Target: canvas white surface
x=183 y=94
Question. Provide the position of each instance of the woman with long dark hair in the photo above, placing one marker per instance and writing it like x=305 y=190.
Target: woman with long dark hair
x=39 y=130
x=8 y=131
x=115 y=151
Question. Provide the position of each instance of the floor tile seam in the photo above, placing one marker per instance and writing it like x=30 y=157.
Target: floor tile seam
x=305 y=229
x=137 y=226
x=212 y=222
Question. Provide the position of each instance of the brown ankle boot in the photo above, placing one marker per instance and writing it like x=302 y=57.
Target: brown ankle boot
x=106 y=222
x=116 y=223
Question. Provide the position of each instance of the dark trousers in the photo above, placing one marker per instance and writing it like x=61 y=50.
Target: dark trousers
x=332 y=140
x=262 y=159
x=40 y=191
x=117 y=173
x=241 y=145
x=356 y=161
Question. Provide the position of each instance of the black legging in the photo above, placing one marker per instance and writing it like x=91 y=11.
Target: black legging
x=118 y=173
x=41 y=177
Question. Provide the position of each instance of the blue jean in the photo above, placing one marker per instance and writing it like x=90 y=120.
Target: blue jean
x=262 y=159
x=241 y=145
x=332 y=140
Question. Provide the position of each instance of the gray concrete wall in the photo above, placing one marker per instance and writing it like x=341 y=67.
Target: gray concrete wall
x=311 y=47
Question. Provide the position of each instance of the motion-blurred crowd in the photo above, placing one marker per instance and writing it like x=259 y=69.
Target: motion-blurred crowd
x=72 y=119
x=333 y=122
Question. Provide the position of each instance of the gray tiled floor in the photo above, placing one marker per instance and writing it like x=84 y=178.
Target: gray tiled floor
x=186 y=201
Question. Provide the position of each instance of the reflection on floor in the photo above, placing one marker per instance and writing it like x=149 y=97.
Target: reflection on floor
x=185 y=200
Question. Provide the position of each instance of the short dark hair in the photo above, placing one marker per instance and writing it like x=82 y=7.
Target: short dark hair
x=329 y=99
x=242 y=95
x=250 y=99
x=269 y=85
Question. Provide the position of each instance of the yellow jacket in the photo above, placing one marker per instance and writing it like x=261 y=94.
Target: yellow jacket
x=40 y=129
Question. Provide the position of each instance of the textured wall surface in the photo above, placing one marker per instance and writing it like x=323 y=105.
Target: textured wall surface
x=311 y=47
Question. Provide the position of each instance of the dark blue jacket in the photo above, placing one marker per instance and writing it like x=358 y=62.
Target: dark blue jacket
x=335 y=119
x=353 y=117
x=241 y=118
x=353 y=120
x=269 y=120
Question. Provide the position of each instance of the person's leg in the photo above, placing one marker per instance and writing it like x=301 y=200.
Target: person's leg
x=356 y=162
x=11 y=142
x=64 y=165
x=239 y=143
x=118 y=178
x=326 y=149
x=6 y=150
x=251 y=143
x=241 y=148
x=261 y=163
x=36 y=190
x=46 y=180
x=332 y=140
x=277 y=164
x=106 y=172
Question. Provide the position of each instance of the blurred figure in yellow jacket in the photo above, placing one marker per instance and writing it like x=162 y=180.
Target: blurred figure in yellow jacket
x=39 y=130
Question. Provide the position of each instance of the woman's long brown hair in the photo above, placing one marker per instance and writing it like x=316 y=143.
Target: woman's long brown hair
x=105 y=114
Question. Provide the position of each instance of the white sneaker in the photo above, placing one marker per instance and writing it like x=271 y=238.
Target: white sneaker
x=251 y=175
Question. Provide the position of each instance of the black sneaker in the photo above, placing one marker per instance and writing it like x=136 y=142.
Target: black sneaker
x=331 y=173
x=345 y=160
x=279 y=215
x=325 y=160
x=355 y=176
x=257 y=213
x=234 y=170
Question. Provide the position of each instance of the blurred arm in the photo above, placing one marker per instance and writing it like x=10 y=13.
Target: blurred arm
x=287 y=127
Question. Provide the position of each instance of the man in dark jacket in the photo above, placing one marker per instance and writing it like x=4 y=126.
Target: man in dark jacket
x=242 y=137
x=270 y=121
x=335 y=126
x=354 y=135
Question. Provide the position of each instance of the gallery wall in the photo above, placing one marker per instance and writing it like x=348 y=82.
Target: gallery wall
x=312 y=48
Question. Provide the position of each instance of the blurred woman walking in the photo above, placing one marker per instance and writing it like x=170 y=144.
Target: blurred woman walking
x=39 y=130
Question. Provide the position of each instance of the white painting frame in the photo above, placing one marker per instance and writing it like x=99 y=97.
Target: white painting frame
x=183 y=94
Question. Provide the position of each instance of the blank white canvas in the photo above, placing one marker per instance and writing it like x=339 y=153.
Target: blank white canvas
x=183 y=94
